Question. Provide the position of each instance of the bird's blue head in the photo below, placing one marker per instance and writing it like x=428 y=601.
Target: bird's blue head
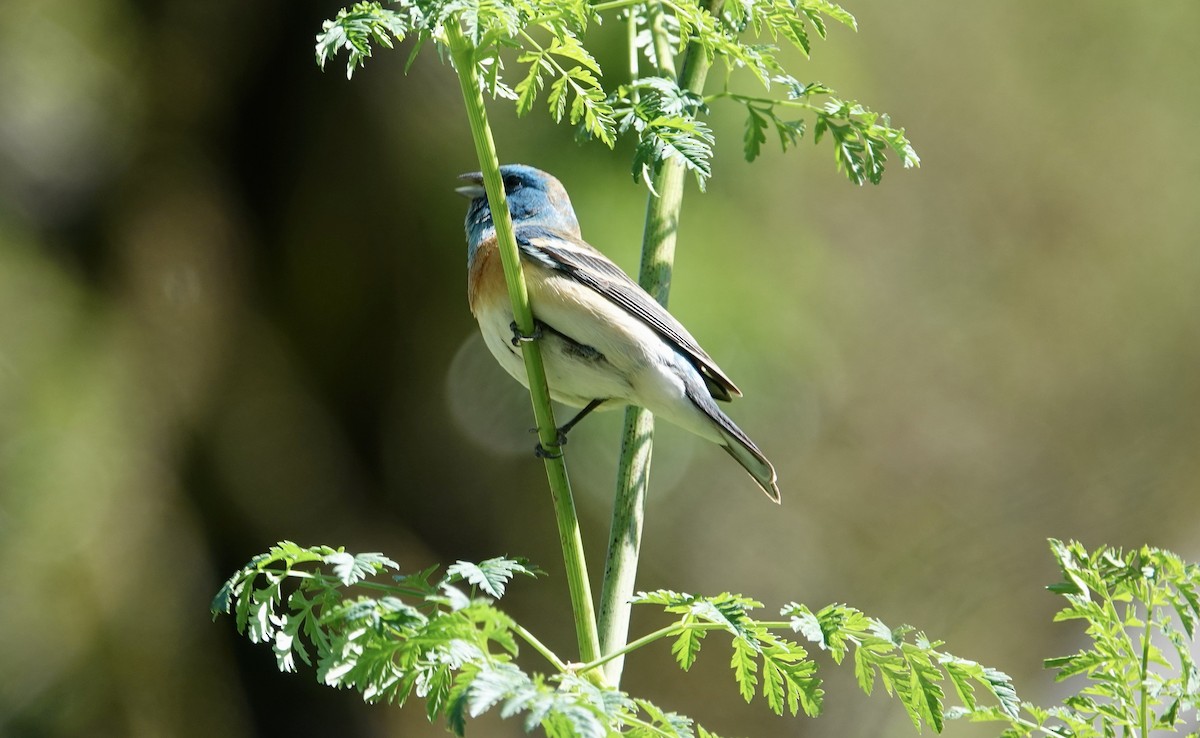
x=534 y=198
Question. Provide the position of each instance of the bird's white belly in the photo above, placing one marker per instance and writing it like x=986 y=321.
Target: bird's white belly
x=632 y=364
x=630 y=372
x=575 y=377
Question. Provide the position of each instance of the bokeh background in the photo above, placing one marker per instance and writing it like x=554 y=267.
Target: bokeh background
x=232 y=311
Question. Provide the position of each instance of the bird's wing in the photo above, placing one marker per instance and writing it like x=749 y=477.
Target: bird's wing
x=584 y=264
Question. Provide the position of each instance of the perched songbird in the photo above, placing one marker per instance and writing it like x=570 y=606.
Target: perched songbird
x=605 y=341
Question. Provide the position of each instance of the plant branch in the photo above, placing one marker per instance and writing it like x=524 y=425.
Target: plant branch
x=738 y=97
x=540 y=647
x=1144 y=675
x=463 y=55
x=664 y=632
x=633 y=475
x=615 y=5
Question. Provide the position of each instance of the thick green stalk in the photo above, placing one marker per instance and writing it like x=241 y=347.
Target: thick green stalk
x=463 y=54
x=633 y=472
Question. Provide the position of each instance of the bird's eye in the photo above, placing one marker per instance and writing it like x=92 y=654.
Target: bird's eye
x=511 y=183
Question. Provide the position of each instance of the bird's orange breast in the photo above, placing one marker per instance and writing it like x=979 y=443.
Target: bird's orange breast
x=485 y=278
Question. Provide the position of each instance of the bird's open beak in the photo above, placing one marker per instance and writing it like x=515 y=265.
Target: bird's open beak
x=475 y=188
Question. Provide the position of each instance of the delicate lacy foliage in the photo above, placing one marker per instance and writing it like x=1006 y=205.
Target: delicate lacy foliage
x=542 y=40
x=664 y=117
x=452 y=648
x=427 y=637
x=762 y=662
x=1139 y=676
x=907 y=663
x=911 y=669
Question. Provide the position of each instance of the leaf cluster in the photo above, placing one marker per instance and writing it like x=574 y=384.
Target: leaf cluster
x=443 y=640
x=440 y=639
x=665 y=119
x=911 y=667
x=529 y=49
x=762 y=662
x=1140 y=610
x=906 y=662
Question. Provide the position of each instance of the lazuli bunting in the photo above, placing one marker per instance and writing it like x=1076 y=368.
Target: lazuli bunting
x=605 y=341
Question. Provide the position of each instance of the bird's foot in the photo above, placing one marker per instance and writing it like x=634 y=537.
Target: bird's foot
x=519 y=338
x=559 y=441
x=541 y=452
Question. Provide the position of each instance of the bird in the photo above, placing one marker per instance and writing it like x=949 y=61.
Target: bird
x=605 y=341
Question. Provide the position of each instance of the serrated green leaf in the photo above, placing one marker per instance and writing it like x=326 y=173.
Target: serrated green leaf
x=557 y=98
x=569 y=47
x=772 y=687
x=806 y=623
x=1079 y=663
x=664 y=724
x=755 y=136
x=833 y=10
x=745 y=668
x=790 y=132
x=355 y=28
x=528 y=88
x=961 y=673
x=927 y=694
x=1001 y=687
x=491 y=575
x=687 y=645
x=493 y=684
x=864 y=671
x=351 y=569
x=670 y=600
x=789 y=663
x=223 y=601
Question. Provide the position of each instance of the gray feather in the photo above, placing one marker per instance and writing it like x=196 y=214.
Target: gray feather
x=591 y=268
x=739 y=445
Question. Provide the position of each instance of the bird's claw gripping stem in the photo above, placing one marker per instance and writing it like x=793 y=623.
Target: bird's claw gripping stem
x=540 y=450
x=518 y=337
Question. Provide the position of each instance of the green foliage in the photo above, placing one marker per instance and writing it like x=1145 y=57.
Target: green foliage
x=788 y=677
x=906 y=662
x=1133 y=604
x=425 y=635
x=910 y=668
x=589 y=107
x=543 y=41
x=492 y=576
x=355 y=28
x=455 y=649
x=861 y=139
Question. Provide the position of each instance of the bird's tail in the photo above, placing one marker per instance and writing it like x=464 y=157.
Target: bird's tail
x=740 y=447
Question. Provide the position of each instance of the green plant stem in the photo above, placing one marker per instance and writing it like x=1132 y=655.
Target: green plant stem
x=463 y=54
x=540 y=647
x=664 y=53
x=633 y=471
x=1144 y=691
x=665 y=632
x=631 y=32
x=801 y=104
x=615 y=5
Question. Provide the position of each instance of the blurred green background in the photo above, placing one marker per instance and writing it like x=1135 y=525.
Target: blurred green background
x=232 y=311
